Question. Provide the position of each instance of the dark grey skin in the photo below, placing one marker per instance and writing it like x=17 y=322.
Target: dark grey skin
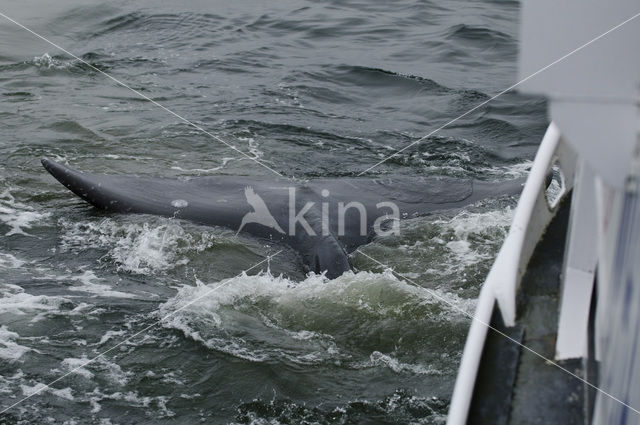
x=221 y=201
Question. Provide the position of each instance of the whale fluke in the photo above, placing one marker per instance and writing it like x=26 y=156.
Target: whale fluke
x=322 y=219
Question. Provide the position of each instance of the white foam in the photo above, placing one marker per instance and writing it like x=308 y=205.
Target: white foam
x=15 y=301
x=252 y=146
x=88 y=284
x=40 y=388
x=134 y=399
x=225 y=161
x=9 y=348
x=292 y=96
x=491 y=226
x=16 y=215
x=75 y=365
x=48 y=62
x=8 y=261
x=80 y=366
x=171 y=378
x=179 y=203
x=109 y=334
x=518 y=170
x=379 y=359
x=467 y=239
x=512 y=171
x=8 y=382
x=136 y=247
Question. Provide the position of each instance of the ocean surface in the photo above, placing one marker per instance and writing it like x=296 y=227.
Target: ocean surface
x=310 y=88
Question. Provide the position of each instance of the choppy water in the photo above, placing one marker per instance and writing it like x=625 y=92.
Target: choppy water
x=310 y=88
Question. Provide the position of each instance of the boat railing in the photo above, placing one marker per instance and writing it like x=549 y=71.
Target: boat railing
x=536 y=207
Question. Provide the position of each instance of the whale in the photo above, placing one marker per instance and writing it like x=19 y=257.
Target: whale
x=323 y=220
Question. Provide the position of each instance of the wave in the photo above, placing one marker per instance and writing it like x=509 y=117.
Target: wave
x=183 y=21
x=360 y=320
x=480 y=34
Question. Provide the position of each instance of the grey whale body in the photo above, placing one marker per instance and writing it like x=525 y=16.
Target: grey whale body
x=225 y=201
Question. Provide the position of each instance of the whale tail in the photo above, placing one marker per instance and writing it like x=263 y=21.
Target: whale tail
x=122 y=193
x=219 y=201
x=86 y=186
x=207 y=200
